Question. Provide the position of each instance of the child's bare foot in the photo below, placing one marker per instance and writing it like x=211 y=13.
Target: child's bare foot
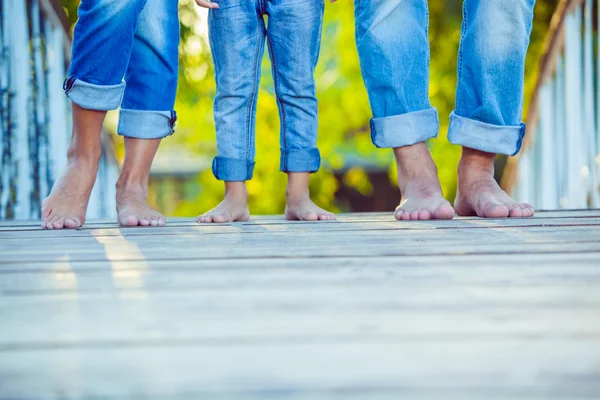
x=66 y=205
x=479 y=194
x=299 y=206
x=302 y=208
x=132 y=208
x=418 y=181
x=233 y=208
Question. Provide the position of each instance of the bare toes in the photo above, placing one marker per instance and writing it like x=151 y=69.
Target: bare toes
x=527 y=210
x=205 y=219
x=72 y=223
x=144 y=222
x=424 y=215
x=50 y=224
x=497 y=211
x=220 y=219
x=398 y=214
x=414 y=215
x=129 y=221
x=311 y=216
x=444 y=212
x=515 y=212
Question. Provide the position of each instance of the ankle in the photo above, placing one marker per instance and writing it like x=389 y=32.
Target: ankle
x=415 y=161
x=87 y=157
x=132 y=187
x=296 y=193
x=237 y=190
x=475 y=162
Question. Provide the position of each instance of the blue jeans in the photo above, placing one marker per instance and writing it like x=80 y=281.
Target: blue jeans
x=237 y=36
x=127 y=41
x=391 y=37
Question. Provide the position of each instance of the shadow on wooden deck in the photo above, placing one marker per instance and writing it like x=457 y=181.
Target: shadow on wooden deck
x=362 y=308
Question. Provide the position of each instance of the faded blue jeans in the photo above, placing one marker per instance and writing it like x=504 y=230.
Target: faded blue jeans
x=238 y=32
x=391 y=37
x=125 y=54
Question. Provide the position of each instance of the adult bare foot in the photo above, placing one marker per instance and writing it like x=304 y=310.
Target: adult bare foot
x=478 y=192
x=233 y=208
x=422 y=197
x=67 y=203
x=132 y=187
x=299 y=206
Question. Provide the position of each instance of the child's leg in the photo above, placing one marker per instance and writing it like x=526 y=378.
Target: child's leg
x=102 y=42
x=147 y=113
x=294 y=36
x=237 y=35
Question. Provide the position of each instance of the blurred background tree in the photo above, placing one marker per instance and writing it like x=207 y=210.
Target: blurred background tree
x=355 y=175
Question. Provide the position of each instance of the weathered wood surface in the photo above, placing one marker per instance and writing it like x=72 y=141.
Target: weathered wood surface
x=361 y=308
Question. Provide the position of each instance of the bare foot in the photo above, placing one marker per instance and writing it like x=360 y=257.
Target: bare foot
x=233 y=208
x=132 y=208
x=422 y=197
x=302 y=208
x=299 y=206
x=66 y=205
x=478 y=192
x=132 y=187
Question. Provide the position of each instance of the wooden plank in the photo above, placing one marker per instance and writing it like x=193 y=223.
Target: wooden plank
x=210 y=251
x=127 y=310
x=304 y=243
x=354 y=217
x=341 y=227
x=517 y=367
x=424 y=270
x=281 y=233
x=133 y=318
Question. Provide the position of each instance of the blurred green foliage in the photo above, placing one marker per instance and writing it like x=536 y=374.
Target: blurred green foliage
x=344 y=111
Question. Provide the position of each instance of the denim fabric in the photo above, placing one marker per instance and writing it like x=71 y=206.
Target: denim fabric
x=125 y=54
x=238 y=32
x=391 y=36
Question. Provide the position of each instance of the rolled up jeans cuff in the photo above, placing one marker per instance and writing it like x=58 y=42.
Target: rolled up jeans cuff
x=300 y=160
x=232 y=169
x=405 y=129
x=486 y=137
x=94 y=97
x=142 y=124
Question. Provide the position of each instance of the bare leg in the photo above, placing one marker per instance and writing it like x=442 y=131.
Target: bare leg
x=419 y=184
x=479 y=194
x=299 y=205
x=233 y=208
x=67 y=203
x=132 y=187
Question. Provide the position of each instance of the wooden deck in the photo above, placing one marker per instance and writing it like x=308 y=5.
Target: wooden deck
x=361 y=308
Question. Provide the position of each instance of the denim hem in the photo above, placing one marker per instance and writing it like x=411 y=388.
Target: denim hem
x=300 y=160
x=232 y=169
x=94 y=97
x=142 y=124
x=405 y=129
x=486 y=137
